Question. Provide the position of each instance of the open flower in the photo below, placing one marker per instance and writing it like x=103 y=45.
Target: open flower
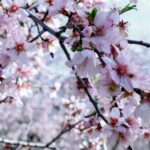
x=122 y=70
x=13 y=6
x=60 y=7
x=108 y=88
x=85 y=63
x=125 y=131
x=17 y=49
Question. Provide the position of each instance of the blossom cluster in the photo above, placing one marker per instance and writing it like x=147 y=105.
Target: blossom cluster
x=97 y=39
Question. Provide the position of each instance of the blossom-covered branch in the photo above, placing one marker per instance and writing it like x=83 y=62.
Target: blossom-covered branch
x=45 y=27
x=111 y=84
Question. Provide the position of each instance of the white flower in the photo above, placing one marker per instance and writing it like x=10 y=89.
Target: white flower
x=85 y=63
x=122 y=70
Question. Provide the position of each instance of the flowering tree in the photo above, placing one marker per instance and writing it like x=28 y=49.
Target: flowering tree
x=103 y=104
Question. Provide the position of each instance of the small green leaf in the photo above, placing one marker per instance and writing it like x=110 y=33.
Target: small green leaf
x=95 y=79
x=94 y=11
x=21 y=23
x=127 y=8
x=92 y=14
x=79 y=48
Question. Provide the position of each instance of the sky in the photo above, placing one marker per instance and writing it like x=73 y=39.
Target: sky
x=139 y=21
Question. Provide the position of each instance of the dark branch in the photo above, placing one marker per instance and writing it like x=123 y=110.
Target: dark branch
x=51 y=31
x=42 y=24
x=139 y=43
x=36 y=37
x=7 y=99
x=130 y=148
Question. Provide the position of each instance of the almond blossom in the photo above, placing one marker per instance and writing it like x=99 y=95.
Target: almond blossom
x=122 y=70
x=60 y=7
x=85 y=63
x=106 y=87
x=113 y=103
x=118 y=129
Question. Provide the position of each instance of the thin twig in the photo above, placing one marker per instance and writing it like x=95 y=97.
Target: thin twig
x=7 y=99
x=41 y=145
x=90 y=115
x=62 y=132
x=42 y=24
x=36 y=37
x=45 y=15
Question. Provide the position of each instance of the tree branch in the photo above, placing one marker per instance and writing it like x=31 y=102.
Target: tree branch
x=7 y=99
x=43 y=25
x=26 y=144
x=62 y=132
x=46 y=28
x=36 y=37
x=130 y=148
x=139 y=43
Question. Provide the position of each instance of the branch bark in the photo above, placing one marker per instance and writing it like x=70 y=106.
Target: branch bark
x=25 y=144
x=139 y=43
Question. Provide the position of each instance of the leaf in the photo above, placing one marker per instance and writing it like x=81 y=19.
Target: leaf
x=21 y=23
x=92 y=14
x=79 y=48
x=127 y=8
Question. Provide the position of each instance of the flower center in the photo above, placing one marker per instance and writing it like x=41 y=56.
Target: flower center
x=112 y=87
x=20 y=47
x=122 y=70
x=147 y=135
x=50 y=2
x=129 y=121
x=100 y=31
x=14 y=8
x=123 y=24
x=121 y=136
x=113 y=121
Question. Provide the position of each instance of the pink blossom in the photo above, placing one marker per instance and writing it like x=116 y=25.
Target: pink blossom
x=4 y=60
x=122 y=70
x=106 y=87
x=87 y=31
x=85 y=63
x=61 y=7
